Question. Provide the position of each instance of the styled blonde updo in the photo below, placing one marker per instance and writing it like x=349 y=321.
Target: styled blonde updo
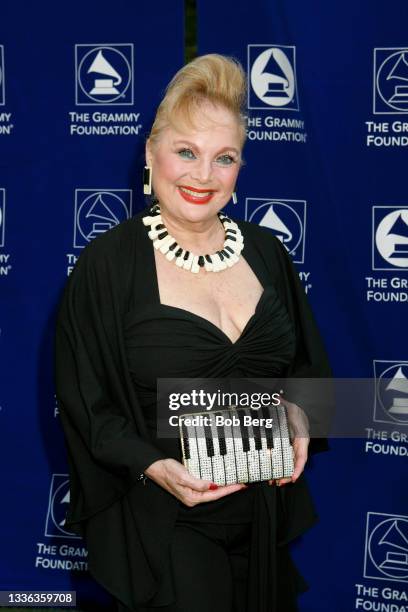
x=209 y=78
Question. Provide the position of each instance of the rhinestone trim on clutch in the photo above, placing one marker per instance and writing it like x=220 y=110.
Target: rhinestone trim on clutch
x=234 y=452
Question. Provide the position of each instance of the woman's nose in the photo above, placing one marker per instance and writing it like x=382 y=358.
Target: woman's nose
x=202 y=171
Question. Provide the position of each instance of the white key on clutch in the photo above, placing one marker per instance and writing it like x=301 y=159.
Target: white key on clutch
x=277 y=446
x=265 y=458
x=219 y=474
x=241 y=459
x=253 y=455
x=193 y=463
x=287 y=449
x=205 y=461
x=228 y=458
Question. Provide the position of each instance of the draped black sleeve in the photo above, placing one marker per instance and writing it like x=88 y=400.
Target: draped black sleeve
x=104 y=429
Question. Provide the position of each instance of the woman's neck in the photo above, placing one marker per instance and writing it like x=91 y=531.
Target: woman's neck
x=199 y=237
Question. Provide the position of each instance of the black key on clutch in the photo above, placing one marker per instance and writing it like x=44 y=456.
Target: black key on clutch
x=257 y=435
x=185 y=441
x=268 y=430
x=209 y=441
x=221 y=439
x=244 y=435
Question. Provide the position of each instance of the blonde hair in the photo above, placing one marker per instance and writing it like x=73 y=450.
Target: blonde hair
x=213 y=78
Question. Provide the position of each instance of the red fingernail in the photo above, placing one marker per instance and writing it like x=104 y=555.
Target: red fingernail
x=213 y=486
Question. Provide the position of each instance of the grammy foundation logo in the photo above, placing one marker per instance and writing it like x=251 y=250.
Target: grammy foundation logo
x=5 y=263
x=390 y=80
x=2 y=85
x=57 y=506
x=2 y=216
x=390 y=237
x=391 y=392
x=104 y=74
x=98 y=210
x=285 y=218
x=386 y=547
x=272 y=77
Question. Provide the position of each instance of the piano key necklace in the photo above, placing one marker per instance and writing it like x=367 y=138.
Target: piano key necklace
x=168 y=245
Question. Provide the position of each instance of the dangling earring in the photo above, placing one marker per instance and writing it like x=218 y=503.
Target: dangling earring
x=234 y=197
x=147 y=180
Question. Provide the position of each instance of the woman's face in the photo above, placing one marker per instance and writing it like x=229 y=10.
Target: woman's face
x=194 y=172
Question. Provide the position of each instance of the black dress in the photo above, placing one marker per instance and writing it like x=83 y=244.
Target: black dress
x=168 y=342
x=114 y=339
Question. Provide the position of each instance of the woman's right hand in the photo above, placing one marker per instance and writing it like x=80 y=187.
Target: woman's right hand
x=177 y=480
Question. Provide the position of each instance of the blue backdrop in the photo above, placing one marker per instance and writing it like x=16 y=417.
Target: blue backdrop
x=327 y=136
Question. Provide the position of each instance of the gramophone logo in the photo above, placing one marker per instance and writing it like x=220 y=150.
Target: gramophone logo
x=2 y=83
x=390 y=237
x=2 y=215
x=386 y=547
x=57 y=507
x=390 y=80
x=104 y=74
x=391 y=392
x=272 y=77
x=97 y=211
x=285 y=218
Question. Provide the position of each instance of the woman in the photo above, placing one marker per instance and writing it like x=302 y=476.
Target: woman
x=133 y=313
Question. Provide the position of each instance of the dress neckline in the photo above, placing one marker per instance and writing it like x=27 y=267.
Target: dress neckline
x=248 y=253
x=208 y=323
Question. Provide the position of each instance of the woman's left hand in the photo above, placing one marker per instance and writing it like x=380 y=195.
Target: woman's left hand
x=299 y=428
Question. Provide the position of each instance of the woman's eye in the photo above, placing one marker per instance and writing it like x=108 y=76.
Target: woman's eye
x=226 y=160
x=186 y=153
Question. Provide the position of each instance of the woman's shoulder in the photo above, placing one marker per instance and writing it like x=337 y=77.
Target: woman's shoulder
x=116 y=242
x=262 y=236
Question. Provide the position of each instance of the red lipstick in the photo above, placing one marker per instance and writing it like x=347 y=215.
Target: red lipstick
x=192 y=194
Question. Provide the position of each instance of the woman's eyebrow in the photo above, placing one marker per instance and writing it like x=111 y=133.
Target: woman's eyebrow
x=192 y=144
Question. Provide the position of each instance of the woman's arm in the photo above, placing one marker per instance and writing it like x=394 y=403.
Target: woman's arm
x=86 y=407
x=97 y=414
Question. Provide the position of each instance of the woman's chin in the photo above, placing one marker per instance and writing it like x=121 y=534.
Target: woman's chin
x=193 y=212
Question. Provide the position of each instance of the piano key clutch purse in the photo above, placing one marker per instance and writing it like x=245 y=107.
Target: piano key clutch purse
x=237 y=445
